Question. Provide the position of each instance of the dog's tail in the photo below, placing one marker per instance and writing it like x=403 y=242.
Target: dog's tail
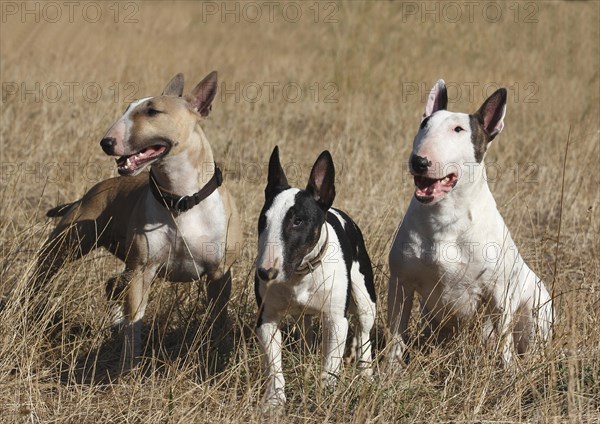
x=60 y=210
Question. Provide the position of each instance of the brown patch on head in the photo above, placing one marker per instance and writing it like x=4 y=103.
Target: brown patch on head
x=487 y=122
x=479 y=138
x=160 y=118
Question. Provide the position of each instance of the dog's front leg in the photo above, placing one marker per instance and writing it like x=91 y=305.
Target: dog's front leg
x=400 y=300
x=269 y=339
x=136 y=301
x=218 y=290
x=115 y=288
x=335 y=330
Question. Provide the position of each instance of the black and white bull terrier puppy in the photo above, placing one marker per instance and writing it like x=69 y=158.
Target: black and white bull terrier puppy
x=453 y=247
x=178 y=221
x=311 y=260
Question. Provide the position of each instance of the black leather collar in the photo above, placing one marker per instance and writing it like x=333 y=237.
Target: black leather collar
x=184 y=203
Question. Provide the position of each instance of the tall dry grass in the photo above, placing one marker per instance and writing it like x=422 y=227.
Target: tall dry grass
x=61 y=368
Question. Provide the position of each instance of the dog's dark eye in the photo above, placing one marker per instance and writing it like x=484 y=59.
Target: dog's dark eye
x=152 y=112
x=297 y=222
x=458 y=129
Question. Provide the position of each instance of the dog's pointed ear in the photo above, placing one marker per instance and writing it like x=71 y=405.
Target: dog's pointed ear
x=276 y=180
x=491 y=113
x=321 y=183
x=203 y=94
x=437 y=99
x=175 y=86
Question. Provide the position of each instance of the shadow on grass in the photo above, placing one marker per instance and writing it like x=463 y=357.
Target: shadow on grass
x=88 y=352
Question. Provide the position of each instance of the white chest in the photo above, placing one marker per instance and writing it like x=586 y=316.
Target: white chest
x=186 y=245
x=452 y=266
x=323 y=290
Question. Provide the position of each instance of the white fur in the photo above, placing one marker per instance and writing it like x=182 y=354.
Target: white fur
x=188 y=241
x=121 y=129
x=448 y=150
x=270 y=241
x=458 y=255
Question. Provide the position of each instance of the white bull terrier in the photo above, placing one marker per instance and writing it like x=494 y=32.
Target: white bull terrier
x=453 y=247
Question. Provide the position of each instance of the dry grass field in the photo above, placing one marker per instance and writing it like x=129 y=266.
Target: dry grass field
x=349 y=77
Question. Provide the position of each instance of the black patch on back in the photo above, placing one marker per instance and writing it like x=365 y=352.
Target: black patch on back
x=347 y=252
x=359 y=252
x=479 y=138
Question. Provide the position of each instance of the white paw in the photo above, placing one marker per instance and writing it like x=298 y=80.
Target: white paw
x=274 y=399
x=394 y=365
x=366 y=371
x=328 y=380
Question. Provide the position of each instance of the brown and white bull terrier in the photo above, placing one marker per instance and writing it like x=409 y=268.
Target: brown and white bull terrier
x=177 y=221
x=453 y=247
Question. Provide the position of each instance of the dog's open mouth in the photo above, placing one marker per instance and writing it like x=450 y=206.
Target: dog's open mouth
x=430 y=189
x=129 y=164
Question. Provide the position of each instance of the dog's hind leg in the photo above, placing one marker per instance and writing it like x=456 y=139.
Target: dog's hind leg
x=543 y=313
x=365 y=311
x=533 y=326
x=68 y=241
x=523 y=330
x=506 y=327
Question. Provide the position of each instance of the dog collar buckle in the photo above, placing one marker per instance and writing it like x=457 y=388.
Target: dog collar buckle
x=178 y=203
x=312 y=265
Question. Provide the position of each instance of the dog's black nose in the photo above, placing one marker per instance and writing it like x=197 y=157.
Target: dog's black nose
x=419 y=164
x=267 y=274
x=108 y=145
